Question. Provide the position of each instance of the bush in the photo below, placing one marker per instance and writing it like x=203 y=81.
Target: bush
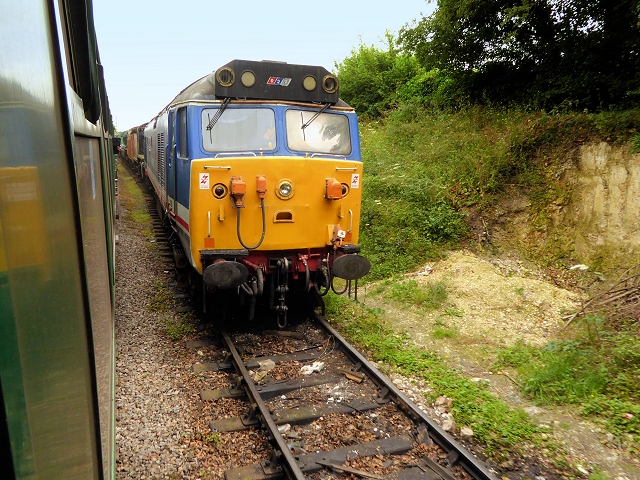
x=370 y=77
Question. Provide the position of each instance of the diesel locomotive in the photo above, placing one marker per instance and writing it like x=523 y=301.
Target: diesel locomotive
x=57 y=246
x=257 y=167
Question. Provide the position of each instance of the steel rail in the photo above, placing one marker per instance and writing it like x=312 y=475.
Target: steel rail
x=471 y=464
x=291 y=466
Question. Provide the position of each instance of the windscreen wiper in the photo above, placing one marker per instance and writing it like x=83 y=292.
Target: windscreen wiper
x=305 y=125
x=216 y=117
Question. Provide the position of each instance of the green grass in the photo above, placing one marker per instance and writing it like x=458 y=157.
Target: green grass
x=441 y=330
x=598 y=371
x=430 y=296
x=132 y=199
x=420 y=173
x=178 y=326
x=425 y=171
x=163 y=300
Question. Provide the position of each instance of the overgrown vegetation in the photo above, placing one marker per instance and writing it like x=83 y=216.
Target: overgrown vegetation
x=597 y=370
x=425 y=172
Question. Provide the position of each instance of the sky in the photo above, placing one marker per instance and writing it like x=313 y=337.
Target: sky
x=152 y=49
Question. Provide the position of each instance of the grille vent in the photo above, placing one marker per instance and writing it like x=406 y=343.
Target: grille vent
x=161 y=160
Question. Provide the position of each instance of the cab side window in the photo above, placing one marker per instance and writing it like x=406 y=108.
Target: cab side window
x=182 y=135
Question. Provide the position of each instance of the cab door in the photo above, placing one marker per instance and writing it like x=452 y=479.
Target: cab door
x=182 y=164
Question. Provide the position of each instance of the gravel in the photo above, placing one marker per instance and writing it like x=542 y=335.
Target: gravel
x=153 y=407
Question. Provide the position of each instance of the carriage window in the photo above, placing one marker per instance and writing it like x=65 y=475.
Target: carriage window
x=238 y=130
x=327 y=133
x=182 y=136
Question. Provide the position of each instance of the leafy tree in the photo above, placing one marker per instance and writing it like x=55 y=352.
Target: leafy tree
x=546 y=53
x=370 y=77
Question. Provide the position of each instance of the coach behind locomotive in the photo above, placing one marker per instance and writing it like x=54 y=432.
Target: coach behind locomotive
x=271 y=146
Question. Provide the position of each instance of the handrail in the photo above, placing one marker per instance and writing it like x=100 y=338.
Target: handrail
x=231 y=154
x=332 y=155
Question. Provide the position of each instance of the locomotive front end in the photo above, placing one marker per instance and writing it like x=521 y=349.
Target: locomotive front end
x=261 y=209
x=259 y=165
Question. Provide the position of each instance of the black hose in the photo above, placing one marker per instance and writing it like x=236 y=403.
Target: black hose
x=264 y=227
x=307 y=276
x=327 y=276
x=260 y=280
x=346 y=285
x=252 y=304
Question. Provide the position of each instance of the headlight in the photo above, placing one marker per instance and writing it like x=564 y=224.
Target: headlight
x=284 y=189
x=225 y=76
x=248 y=78
x=309 y=83
x=330 y=84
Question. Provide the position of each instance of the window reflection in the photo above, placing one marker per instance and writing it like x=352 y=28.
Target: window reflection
x=238 y=130
x=327 y=133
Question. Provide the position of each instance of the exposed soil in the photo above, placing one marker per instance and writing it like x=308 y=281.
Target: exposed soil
x=496 y=302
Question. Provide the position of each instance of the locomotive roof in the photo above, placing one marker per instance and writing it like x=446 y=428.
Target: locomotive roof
x=271 y=81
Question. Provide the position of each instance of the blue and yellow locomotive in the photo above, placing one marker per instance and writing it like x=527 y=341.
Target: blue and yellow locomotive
x=258 y=168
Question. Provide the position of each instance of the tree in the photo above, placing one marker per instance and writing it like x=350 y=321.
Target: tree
x=370 y=77
x=577 y=53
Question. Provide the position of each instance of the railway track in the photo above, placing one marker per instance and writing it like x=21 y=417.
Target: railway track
x=309 y=389
x=326 y=411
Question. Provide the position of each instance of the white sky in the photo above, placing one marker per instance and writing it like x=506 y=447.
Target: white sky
x=152 y=49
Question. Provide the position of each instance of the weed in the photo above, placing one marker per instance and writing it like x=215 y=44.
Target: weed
x=453 y=312
x=441 y=331
x=163 y=300
x=213 y=438
x=596 y=371
x=515 y=356
x=598 y=475
x=177 y=327
x=430 y=296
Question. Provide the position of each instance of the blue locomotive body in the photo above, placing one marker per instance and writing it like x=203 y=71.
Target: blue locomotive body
x=258 y=169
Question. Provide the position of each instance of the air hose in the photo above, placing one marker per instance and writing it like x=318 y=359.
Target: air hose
x=264 y=228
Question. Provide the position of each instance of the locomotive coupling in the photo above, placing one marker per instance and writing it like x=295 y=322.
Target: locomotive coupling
x=225 y=274
x=238 y=190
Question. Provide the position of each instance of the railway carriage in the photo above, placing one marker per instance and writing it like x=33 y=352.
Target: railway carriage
x=57 y=245
x=135 y=147
x=258 y=168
